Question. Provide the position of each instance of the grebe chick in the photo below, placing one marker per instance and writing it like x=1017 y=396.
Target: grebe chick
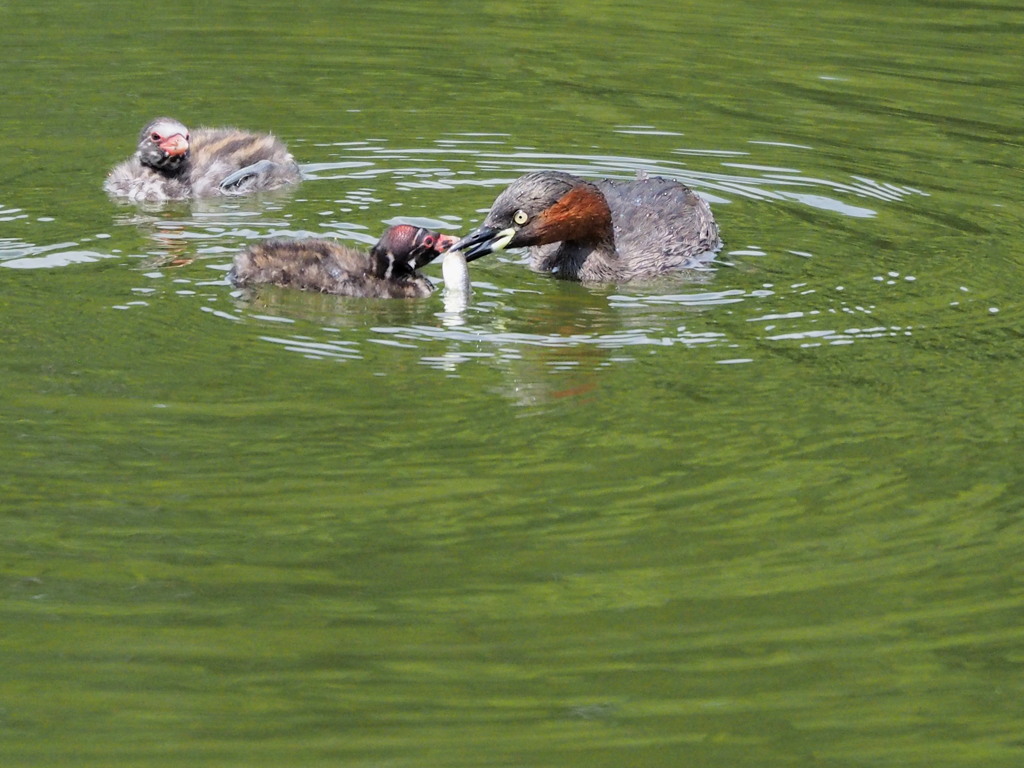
x=170 y=163
x=598 y=231
x=388 y=271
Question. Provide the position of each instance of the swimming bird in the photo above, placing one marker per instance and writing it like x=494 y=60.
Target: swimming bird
x=388 y=271
x=604 y=231
x=171 y=163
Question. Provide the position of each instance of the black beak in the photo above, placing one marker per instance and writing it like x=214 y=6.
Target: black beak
x=478 y=243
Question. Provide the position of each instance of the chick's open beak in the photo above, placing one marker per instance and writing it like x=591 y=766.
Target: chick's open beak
x=445 y=243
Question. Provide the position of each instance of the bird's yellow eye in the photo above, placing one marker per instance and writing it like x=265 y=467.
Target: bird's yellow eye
x=520 y=217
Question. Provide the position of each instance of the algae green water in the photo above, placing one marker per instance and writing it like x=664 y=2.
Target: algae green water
x=767 y=515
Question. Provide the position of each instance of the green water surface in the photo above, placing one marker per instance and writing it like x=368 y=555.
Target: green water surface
x=767 y=515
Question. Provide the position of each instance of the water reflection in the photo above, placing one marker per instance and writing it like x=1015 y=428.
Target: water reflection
x=548 y=344
x=542 y=350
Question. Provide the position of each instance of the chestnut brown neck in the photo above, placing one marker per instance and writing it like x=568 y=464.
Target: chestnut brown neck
x=580 y=215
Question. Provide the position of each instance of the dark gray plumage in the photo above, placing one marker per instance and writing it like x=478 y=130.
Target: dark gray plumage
x=600 y=231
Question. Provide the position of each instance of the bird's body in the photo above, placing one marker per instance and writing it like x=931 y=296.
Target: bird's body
x=172 y=163
x=389 y=270
x=600 y=231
